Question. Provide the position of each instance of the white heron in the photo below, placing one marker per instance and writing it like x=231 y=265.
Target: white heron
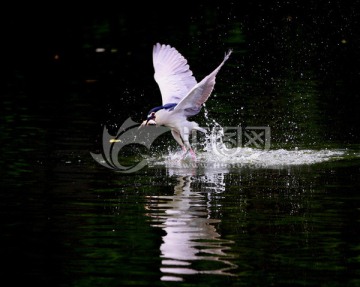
x=182 y=96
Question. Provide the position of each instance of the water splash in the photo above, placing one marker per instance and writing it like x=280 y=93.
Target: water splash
x=249 y=157
x=246 y=157
x=270 y=158
x=215 y=137
x=214 y=154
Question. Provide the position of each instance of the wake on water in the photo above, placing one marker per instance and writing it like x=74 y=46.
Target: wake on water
x=255 y=157
x=249 y=157
x=215 y=154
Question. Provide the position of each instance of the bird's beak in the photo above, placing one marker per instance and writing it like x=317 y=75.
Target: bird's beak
x=144 y=123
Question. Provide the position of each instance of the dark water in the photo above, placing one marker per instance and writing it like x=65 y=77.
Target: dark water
x=68 y=221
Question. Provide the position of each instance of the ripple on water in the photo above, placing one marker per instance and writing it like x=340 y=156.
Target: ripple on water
x=249 y=157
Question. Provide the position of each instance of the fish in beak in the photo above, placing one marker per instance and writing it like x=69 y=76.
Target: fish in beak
x=149 y=122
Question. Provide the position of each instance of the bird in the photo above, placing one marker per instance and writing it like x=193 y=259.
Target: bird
x=182 y=96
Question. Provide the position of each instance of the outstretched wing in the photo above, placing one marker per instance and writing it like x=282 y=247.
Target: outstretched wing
x=172 y=74
x=192 y=102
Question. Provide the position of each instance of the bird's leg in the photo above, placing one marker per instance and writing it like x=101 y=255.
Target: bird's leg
x=192 y=153
x=186 y=150
x=185 y=137
x=177 y=137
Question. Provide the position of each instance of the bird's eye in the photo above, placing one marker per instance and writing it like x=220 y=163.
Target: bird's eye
x=152 y=116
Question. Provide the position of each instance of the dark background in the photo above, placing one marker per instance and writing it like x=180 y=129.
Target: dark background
x=53 y=45
x=295 y=66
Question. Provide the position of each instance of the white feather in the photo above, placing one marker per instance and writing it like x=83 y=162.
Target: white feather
x=192 y=102
x=172 y=74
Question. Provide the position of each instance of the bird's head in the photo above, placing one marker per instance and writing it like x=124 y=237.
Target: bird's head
x=150 y=120
x=151 y=117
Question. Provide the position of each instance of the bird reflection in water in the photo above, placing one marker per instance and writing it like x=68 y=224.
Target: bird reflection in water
x=191 y=235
